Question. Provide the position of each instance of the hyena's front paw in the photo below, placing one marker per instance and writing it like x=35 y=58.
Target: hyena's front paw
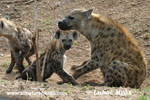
x=73 y=83
x=8 y=71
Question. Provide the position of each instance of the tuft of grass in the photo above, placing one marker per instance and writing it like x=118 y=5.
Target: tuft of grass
x=7 y=63
x=85 y=88
x=48 y=97
x=30 y=78
x=69 y=84
x=143 y=98
x=75 y=42
x=5 y=82
x=68 y=91
x=47 y=22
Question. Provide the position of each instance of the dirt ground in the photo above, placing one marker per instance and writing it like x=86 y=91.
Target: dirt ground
x=133 y=14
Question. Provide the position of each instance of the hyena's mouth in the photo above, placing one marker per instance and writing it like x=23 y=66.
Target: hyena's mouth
x=67 y=47
x=64 y=26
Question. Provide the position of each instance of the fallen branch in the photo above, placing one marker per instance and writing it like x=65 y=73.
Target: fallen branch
x=47 y=96
x=28 y=2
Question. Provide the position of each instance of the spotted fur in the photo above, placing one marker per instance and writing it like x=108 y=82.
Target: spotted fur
x=19 y=41
x=55 y=58
x=113 y=49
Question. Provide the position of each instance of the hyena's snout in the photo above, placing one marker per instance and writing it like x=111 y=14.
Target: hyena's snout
x=67 y=46
x=63 y=25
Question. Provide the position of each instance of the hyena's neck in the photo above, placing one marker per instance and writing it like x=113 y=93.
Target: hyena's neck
x=94 y=26
x=53 y=52
x=55 y=46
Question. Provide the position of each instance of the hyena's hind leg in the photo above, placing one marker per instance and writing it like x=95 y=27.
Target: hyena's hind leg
x=30 y=53
x=47 y=72
x=9 y=70
x=123 y=74
x=116 y=75
x=19 y=57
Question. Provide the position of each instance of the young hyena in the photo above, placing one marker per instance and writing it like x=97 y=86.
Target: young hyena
x=55 y=58
x=113 y=49
x=19 y=41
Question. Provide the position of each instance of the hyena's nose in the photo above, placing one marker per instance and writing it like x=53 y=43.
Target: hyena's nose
x=62 y=25
x=67 y=47
x=59 y=23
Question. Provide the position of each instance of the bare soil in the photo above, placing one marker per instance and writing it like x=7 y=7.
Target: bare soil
x=133 y=14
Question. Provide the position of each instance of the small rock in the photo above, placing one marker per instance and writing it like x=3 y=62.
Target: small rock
x=146 y=37
x=1 y=55
x=133 y=4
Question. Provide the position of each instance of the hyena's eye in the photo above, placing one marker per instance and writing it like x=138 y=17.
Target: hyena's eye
x=70 y=40
x=70 y=17
x=63 y=40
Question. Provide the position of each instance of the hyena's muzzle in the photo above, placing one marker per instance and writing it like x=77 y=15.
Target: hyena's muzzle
x=64 y=25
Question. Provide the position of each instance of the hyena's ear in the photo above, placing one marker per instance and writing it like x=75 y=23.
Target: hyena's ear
x=75 y=35
x=1 y=24
x=88 y=13
x=57 y=35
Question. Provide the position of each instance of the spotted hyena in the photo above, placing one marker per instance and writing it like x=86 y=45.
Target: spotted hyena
x=55 y=58
x=19 y=41
x=113 y=49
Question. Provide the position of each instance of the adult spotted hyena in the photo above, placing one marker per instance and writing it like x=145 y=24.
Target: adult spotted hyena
x=55 y=58
x=19 y=41
x=113 y=49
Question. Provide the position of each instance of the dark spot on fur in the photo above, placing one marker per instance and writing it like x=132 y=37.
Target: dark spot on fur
x=108 y=29
x=110 y=71
x=129 y=82
x=111 y=41
x=114 y=67
x=101 y=54
x=93 y=50
x=136 y=72
x=106 y=36
x=136 y=79
x=123 y=77
x=102 y=23
x=88 y=68
x=109 y=80
x=120 y=53
x=97 y=64
x=112 y=34
x=91 y=64
x=130 y=72
x=115 y=73
x=114 y=62
x=107 y=76
x=120 y=34
x=119 y=76
x=125 y=69
x=119 y=70
x=116 y=53
x=125 y=55
x=118 y=47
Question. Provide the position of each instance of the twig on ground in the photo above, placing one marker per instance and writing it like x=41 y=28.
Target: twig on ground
x=47 y=95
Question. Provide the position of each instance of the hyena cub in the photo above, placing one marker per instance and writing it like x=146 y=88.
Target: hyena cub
x=113 y=49
x=19 y=41
x=55 y=58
